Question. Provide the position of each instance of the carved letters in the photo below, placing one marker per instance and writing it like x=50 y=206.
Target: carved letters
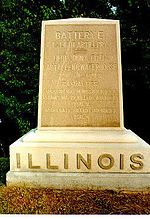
x=104 y=162
x=80 y=79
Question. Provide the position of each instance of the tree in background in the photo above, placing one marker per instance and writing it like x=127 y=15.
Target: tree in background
x=134 y=16
x=20 y=54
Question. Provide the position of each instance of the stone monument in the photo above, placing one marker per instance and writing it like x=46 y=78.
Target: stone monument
x=80 y=141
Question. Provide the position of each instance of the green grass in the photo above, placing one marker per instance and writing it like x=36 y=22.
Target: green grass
x=19 y=200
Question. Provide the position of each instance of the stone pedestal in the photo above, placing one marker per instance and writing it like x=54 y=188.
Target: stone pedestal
x=80 y=159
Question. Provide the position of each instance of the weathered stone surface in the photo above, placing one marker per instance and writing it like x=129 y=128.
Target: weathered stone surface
x=114 y=154
x=80 y=74
x=114 y=181
x=119 y=161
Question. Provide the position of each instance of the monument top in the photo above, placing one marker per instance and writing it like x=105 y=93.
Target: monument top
x=80 y=74
x=80 y=20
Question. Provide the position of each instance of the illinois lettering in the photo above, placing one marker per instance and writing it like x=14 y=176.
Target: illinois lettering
x=82 y=162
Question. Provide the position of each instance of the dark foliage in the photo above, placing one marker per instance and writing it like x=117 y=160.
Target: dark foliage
x=4 y=168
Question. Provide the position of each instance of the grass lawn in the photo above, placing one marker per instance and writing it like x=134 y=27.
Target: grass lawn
x=15 y=200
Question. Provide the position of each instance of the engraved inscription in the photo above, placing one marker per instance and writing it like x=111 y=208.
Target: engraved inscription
x=82 y=161
x=80 y=84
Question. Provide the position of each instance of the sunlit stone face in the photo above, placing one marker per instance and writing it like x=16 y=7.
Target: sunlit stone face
x=80 y=75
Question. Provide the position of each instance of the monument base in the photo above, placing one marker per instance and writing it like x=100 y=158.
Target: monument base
x=80 y=159
x=113 y=181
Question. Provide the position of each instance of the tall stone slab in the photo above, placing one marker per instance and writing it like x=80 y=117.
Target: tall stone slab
x=80 y=84
x=80 y=141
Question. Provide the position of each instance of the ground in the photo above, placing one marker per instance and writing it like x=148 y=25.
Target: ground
x=21 y=200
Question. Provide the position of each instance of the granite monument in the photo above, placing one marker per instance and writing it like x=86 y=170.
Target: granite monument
x=80 y=140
